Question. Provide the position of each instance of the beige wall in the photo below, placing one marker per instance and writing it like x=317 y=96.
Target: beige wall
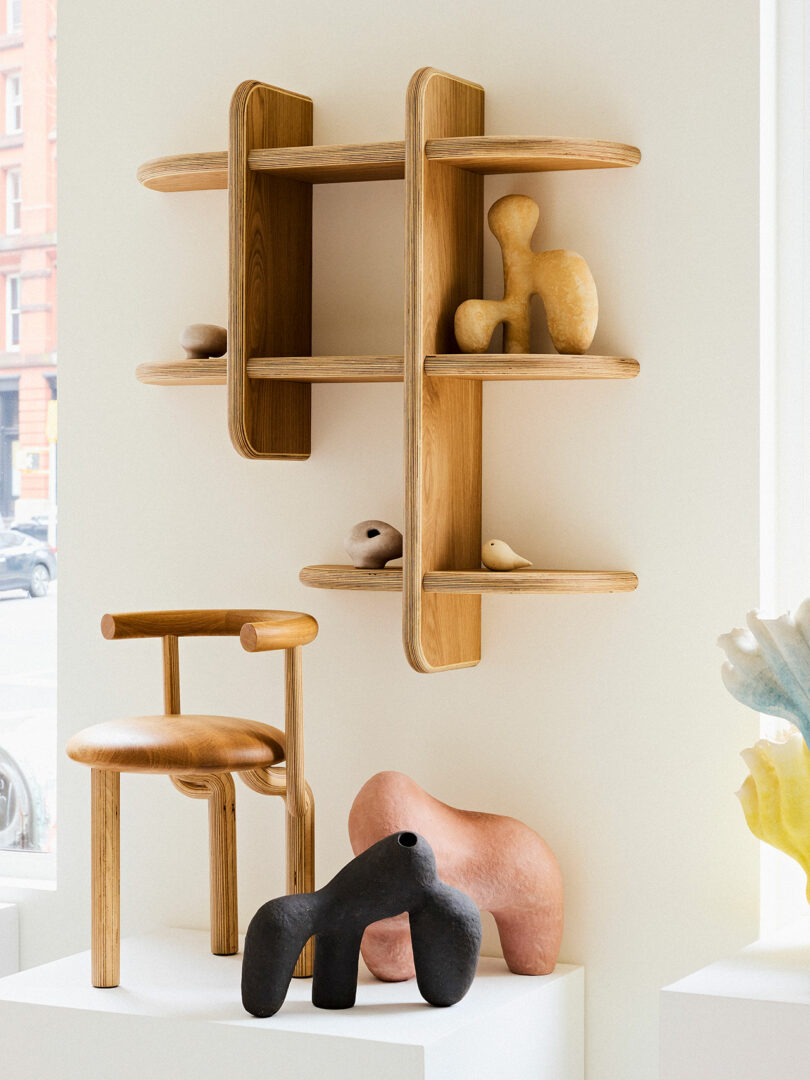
x=600 y=721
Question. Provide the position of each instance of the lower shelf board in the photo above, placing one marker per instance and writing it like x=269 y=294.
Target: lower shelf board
x=472 y=581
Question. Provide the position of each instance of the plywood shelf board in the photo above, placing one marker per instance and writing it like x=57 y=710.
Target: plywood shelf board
x=356 y=162
x=491 y=367
x=320 y=369
x=472 y=582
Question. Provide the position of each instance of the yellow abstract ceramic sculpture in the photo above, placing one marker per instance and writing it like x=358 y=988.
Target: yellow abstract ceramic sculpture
x=561 y=279
x=776 y=796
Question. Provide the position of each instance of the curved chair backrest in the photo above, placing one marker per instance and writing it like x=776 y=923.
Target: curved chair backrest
x=275 y=629
x=259 y=630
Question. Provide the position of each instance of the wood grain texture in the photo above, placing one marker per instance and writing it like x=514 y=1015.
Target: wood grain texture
x=333 y=164
x=386 y=160
x=208 y=371
x=333 y=576
x=320 y=369
x=496 y=154
x=281 y=634
x=216 y=622
x=270 y=294
x=171 y=675
x=178 y=745
x=503 y=367
x=105 y=796
x=219 y=792
x=449 y=582
x=530 y=581
x=186 y=172
x=444 y=214
x=360 y=369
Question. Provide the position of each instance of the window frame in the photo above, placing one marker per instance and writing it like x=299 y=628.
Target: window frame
x=13 y=25
x=11 y=312
x=14 y=103
x=13 y=201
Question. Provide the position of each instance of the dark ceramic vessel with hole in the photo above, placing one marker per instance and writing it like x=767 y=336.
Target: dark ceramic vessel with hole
x=372 y=544
x=394 y=875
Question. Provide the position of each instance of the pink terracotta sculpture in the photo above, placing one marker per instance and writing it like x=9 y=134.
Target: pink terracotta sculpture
x=501 y=863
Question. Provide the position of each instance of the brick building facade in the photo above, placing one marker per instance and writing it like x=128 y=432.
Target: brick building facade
x=27 y=258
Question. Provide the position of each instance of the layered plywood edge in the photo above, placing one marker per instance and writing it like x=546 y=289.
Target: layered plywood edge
x=269 y=170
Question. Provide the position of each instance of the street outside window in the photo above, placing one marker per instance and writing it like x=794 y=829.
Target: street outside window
x=28 y=453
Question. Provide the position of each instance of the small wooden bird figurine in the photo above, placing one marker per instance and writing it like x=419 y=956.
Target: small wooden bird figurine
x=497 y=555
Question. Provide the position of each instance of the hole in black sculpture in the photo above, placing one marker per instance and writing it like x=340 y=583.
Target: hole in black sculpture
x=396 y=874
x=372 y=532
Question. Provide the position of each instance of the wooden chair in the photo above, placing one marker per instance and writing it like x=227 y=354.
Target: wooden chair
x=199 y=754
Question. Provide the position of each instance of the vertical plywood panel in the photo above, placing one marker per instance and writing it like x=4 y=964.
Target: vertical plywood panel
x=270 y=301
x=444 y=219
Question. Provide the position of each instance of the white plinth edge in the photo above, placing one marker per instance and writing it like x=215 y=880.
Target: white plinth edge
x=178 y=1013
x=9 y=940
x=746 y=1018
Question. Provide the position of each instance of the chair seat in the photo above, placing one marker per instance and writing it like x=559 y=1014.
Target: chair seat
x=178 y=744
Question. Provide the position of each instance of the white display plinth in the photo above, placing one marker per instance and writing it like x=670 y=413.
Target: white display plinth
x=9 y=940
x=747 y=1018
x=178 y=1014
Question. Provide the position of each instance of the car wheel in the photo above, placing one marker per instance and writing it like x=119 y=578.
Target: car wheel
x=40 y=579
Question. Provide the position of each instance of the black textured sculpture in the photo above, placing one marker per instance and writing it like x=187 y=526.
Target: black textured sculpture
x=394 y=875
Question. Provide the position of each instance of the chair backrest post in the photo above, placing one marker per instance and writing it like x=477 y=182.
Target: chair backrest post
x=171 y=675
x=294 y=731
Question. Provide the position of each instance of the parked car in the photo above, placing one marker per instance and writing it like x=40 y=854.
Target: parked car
x=25 y=563
x=37 y=526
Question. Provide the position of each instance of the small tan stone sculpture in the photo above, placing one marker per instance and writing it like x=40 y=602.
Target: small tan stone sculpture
x=371 y=544
x=502 y=864
x=561 y=279
x=497 y=555
x=201 y=340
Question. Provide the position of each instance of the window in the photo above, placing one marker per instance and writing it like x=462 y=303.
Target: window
x=28 y=462
x=12 y=311
x=13 y=201
x=13 y=16
x=13 y=103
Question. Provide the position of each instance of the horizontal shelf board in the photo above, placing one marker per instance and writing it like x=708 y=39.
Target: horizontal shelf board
x=333 y=164
x=349 y=577
x=493 y=154
x=204 y=372
x=472 y=581
x=334 y=369
x=529 y=581
x=342 y=163
x=505 y=366
x=348 y=369
x=186 y=172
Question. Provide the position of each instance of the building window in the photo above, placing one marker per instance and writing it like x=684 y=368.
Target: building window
x=12 y=311
x=13 y=200
x=13 y=16
x=13 y=103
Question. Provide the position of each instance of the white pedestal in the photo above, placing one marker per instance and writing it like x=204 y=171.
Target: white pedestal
x=178 y=1014
x=9 y=940
x=747 y=1018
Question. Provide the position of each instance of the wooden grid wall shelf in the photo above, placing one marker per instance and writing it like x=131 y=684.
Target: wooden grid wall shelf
x=269 y=170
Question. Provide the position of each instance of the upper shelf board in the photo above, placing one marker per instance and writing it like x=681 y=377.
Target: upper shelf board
x=386 y=160
x=538 y=582
x=486 y=367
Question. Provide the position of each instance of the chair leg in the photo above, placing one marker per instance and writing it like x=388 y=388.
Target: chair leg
x=300 y=842
x=105 y=787
x=300 y=837
x=218 y=789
